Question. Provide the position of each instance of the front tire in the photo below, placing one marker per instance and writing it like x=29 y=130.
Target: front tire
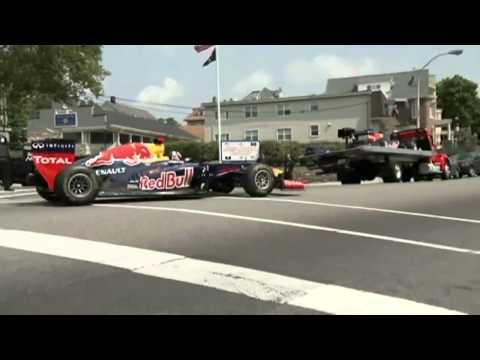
x=77 y=185
x=259 y=180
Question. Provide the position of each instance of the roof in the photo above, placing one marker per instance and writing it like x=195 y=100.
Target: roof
x=264 y=94
x=291 y=98
x=401 y=87
x=121 y=108
x=123 y=120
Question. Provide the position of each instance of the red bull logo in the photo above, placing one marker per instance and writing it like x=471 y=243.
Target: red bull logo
x=168 y=180
x=130 y=154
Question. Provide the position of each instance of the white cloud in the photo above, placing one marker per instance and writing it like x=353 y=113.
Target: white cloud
x=256 y=81
x=170 y=90
x=323 y=67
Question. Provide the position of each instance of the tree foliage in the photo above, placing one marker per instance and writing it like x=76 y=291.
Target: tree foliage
x=169 y=121
x=458 y=98
x=33 y=76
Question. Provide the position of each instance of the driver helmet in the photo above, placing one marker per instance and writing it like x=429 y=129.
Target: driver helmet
x=159 y=140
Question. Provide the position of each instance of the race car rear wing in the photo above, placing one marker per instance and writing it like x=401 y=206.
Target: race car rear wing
x=51 y=156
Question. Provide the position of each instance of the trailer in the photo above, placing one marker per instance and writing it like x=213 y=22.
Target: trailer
x=410 y=154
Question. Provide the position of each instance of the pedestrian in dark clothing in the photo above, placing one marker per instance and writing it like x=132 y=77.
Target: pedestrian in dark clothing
x=288 y=168
x=5 y=164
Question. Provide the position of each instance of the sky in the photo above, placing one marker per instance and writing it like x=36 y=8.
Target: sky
x=173 y=74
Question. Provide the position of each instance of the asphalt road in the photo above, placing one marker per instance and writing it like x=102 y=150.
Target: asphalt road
x=360 y=249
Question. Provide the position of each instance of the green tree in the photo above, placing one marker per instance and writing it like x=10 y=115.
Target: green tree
x=32 y=76
x=458 y=97
x=169 y=121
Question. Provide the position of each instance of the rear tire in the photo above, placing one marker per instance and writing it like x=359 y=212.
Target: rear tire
x=259 y=180
x=77 y=185
x=43 y=191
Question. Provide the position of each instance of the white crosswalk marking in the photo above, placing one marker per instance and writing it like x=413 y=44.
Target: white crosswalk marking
x=252 y=283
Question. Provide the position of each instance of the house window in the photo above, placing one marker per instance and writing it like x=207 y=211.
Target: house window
x=251 y=111
x=76 y=136
x=224 y=115
x=251 y=135
x=283 y=109
x=35 y=115
x=284 y=134
x=124 y=138
x=102 y=137
x=314 y=131
x=225 y=137
x=314 y=107
x=136 y=138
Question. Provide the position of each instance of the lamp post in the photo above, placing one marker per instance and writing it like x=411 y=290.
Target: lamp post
x=412 y=79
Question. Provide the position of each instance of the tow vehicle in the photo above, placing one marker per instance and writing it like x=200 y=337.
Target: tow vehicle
x=367 y=156
x=131 y=170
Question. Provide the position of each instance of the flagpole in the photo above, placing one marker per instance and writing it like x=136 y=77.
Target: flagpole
x=217 y=49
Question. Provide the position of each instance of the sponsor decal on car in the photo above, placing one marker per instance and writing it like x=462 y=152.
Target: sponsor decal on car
x=168 y=180
x=111 y=171
x=44 y=160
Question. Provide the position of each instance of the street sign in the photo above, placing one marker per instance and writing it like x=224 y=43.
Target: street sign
x=65 y=119
x=240 y=150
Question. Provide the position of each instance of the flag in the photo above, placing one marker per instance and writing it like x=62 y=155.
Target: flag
x=211 y=59
x=200 y=48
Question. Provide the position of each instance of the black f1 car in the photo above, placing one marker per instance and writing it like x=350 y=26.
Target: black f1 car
x=126 y=170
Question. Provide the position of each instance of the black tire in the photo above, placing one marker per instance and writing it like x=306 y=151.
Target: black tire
x=77 y=185
x=43 y=191
x=348 y=177
x=471 y=172
x=408 y=174
x=259 y=180
x=393 y=173
x=225 y=187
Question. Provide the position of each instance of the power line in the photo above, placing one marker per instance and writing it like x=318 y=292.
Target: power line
x=149 y=103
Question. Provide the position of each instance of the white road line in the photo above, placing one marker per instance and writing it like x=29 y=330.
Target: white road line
x=13 y=195
x=17 y=191
x=337 y=183
x=353 y=207
x=298 y=225
x=252 y=283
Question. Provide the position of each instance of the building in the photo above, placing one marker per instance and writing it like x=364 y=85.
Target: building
x=195 y=123
x=401 y=91
x=266 y=115
x=94 y=127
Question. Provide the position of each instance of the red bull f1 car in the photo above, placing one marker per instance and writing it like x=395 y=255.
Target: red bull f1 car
x=131 y=170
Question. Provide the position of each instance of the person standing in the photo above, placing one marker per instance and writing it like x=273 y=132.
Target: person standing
x=5 y=164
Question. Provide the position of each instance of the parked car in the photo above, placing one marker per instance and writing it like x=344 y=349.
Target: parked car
x=466 y=163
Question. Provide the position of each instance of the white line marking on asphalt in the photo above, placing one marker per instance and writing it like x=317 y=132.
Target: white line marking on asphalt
x=16 y=190
x=13 y=195
x=252 y=283
x=353 y=207
x=299 y=225
x=337 y=183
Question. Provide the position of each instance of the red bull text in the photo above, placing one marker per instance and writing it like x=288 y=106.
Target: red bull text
x=168 y=180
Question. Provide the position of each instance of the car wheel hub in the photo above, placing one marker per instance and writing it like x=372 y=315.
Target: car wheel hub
x=262 y=180
x=80 y=185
